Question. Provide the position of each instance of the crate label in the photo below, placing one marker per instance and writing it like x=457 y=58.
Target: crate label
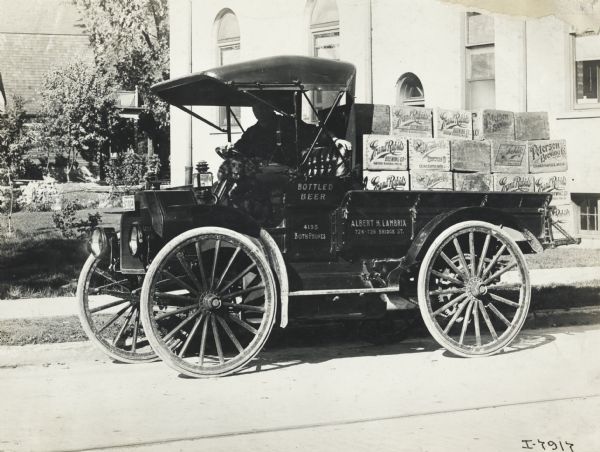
x=554 y=184
x=385 y=180
x=452 y=124
x=493 y=124
x=385 y=152
x=547 y=156
x=430 y=180
x=415 y=121
x=472 y=182
x=532 y=126
x=509 y=157
x=429 y=154
x=470 y=155
x=513 y=182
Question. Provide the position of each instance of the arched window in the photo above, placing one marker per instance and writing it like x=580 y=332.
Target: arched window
x=228 y=50
x=409 y=91
x=325 y=36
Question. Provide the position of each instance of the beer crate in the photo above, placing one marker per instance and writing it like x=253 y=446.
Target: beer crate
x=472 y=182
x=532 y=126
x=547 y=156
x=510 y=157
x=366 y=119
x=386 y=180
x=429 y=154
x=563 y=214
x=412 y=121
x=470 y=155
x=456 y=124
x=513 y=182
x=385 y=152
x=554 y=184
x=430 y=180
x=493 y=125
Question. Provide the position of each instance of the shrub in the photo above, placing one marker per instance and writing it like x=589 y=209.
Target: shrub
x=126 y=171
x=5 y=198
x=39 y=196
x=69 y=226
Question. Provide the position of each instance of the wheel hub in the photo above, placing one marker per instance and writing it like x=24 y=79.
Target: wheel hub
x=476 y=287
x=210 y=301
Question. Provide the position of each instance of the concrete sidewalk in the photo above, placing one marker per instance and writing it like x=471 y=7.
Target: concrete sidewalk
x=67 y=306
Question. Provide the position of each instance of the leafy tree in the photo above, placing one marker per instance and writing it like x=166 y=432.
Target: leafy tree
x=78 y=115
x=130 y=43
x=13 y=145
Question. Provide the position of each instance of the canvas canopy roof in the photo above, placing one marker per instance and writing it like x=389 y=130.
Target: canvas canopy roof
x=274 y=78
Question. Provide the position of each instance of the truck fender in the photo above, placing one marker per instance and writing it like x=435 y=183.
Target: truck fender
x=436 y=225
x=280 y=272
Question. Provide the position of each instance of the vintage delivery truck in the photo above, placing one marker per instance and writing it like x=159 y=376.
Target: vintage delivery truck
x=199 y=278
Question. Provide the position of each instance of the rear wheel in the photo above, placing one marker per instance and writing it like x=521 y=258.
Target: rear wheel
x=208 y=302
x=109 y=311
x=474 y=289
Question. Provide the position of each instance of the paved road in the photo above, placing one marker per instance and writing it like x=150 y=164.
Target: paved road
x=409 y=396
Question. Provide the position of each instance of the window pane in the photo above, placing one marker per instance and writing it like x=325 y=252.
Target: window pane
x=480 y=64
x=587 y=76
x=327 y=45
x=480 y=29
x=481 y=94
x=325 y=11
x=228 y=27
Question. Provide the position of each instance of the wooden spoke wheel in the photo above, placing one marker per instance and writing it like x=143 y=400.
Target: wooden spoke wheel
x=474 y=290
x=208 y=302
x=109 y=311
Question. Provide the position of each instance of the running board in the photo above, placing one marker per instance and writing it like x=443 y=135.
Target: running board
x=360 y=291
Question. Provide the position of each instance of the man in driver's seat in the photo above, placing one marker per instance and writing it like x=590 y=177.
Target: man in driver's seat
x=273 y=138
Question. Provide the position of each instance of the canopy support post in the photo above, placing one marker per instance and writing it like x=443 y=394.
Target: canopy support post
x=197 y=116
x=228 y=124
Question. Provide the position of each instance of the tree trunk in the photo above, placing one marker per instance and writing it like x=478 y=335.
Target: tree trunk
x=10 y=207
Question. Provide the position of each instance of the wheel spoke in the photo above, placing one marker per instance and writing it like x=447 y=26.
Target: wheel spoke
x=494 y=309
x=108 y=306
x=454 y=267
x=238 y=277
x=201 y=264
x=174 y=297
x=446 y=291
x=191 y=335
x=461 y=256
x=487 y=320
x=455 y=316
x=504 y=300
x=203 y=340
x=217 y=339
x=242 y=292
x=181 y=283
x=506 y=286
x=243 y=307
x=472 y=251
x=484 y=251
x=494 y=260
x=447 y=278
x=181 y=324
x=449 y=304
x=113 y=318
x=124 y=327
x=95 y=290
x=243 y=324
x=235 y=253
x=476 y=322
x=466 y=321
x=172 y=313
x=110 y=278
x=500 y=272
x=188 y=270
x=136 y=326
x=214 y=266
x=230 y=333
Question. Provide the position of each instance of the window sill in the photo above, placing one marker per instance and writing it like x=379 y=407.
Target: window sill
x=584 y=113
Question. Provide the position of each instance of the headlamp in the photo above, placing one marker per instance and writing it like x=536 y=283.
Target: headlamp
x=98 y=242
x=136 y=238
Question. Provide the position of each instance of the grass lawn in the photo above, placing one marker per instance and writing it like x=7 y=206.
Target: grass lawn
x=565 y=257
x=37 y=261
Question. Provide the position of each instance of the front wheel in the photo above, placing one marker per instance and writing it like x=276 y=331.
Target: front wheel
x=474 y=290
x=208 y=302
